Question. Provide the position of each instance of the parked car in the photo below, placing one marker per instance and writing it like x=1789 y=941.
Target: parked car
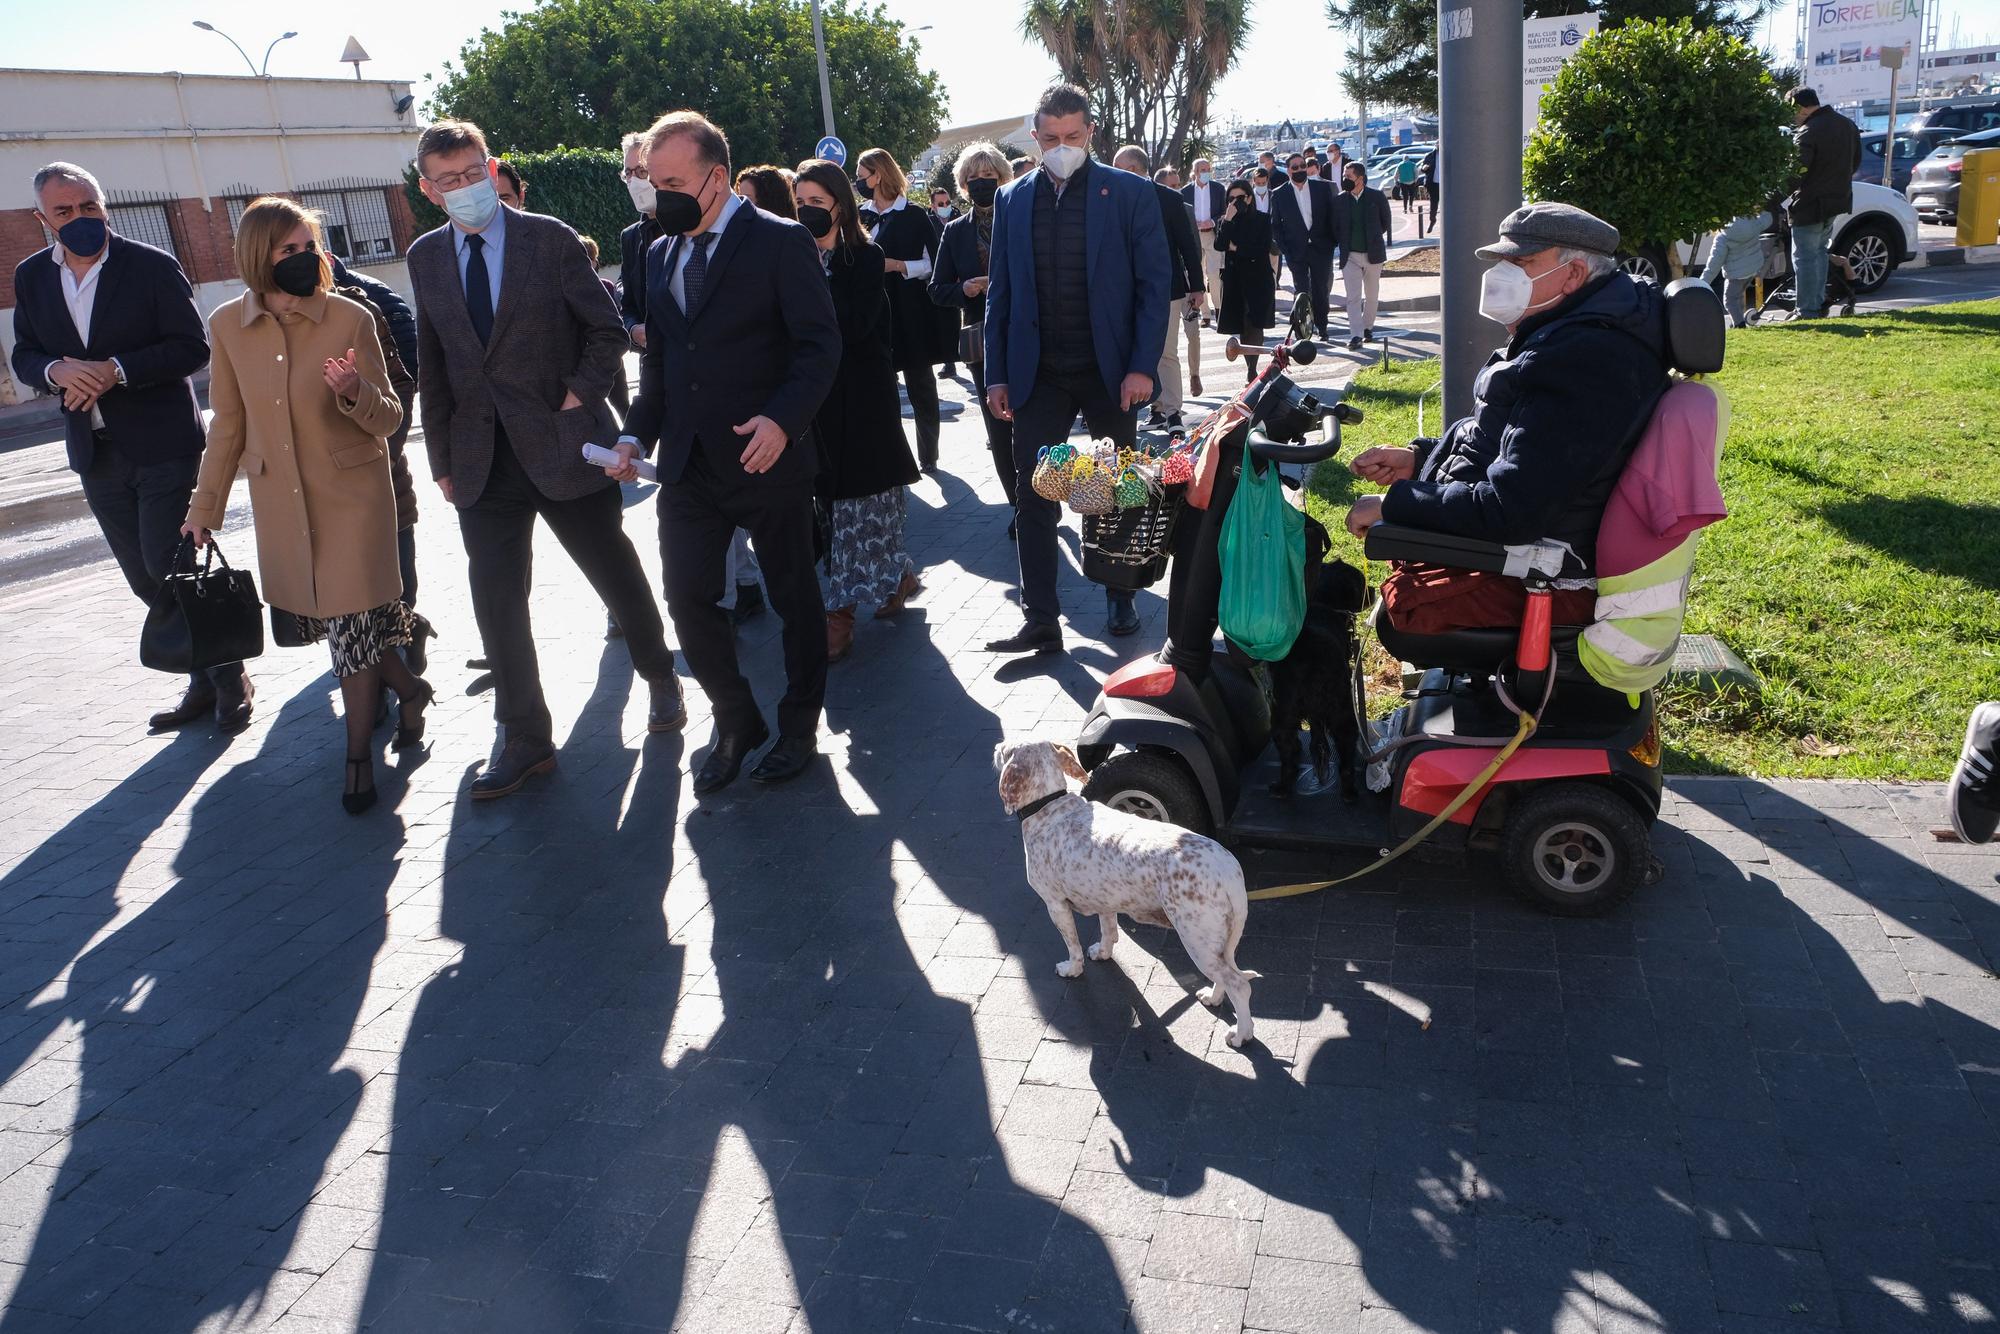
x=1879 y=233
x=1933 y=188
x=1912 y=147
x=1965 y=118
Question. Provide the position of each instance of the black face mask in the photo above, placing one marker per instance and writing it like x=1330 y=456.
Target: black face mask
x=863 y=188
x=297 y=275
x=1355 y=186
x=817 y=220
x=1299 y=176
x=1239 y=201
x=677 y=211
x=83 y=236
x=982 y=191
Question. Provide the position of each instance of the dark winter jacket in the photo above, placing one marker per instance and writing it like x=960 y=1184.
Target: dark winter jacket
x=1555 y=415
x=1829 y=155
x=863 y=451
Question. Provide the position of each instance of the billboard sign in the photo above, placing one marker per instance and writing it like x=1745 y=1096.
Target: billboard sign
x=1844 y=44
x=1545 y=44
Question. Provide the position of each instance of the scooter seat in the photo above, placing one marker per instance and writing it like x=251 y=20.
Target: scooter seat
x=1469 y=650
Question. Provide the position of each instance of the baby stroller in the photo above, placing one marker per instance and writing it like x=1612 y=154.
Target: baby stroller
x=1780 y=288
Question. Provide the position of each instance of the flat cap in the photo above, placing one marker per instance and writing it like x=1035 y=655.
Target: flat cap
x=1533 y=228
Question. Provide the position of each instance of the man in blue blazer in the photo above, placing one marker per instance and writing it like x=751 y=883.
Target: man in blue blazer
x=1076 y=320
x=110 y=326
x=742 y=346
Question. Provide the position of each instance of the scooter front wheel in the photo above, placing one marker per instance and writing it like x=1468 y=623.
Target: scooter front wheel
x=1150 y=786
x=1575 y=849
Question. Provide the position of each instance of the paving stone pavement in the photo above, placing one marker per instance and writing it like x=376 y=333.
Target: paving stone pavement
x=602 y=1058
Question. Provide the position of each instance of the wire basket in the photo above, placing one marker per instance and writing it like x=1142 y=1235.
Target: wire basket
x=1130 y=548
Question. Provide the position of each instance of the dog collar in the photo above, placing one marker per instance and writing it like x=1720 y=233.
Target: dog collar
x=1035 y=807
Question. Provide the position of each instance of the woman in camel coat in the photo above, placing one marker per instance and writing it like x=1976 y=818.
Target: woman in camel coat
x=303 y=407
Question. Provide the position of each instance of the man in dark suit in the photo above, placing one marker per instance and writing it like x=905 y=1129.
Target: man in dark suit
x=111 y=326
x=1361 y=228
x=742 y=345
x=1184 y=286
x=1209 y=198
x=518 y=343
x=1076 y=320
x=1302 y=225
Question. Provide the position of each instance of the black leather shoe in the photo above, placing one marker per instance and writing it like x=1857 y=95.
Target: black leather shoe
x=519 y=761
x=232 y=705
x=749 y=602
x=1031 y=638
x=668 y=712
x=1121 y=618
x=410 y=717
x=197 y=702
x=1354 y=343
x=725 y=759
x=792 y=756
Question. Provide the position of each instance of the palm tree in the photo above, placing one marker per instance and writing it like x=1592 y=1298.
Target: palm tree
x=1149 y=65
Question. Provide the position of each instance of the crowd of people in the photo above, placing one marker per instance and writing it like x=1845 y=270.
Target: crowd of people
x=781 y=316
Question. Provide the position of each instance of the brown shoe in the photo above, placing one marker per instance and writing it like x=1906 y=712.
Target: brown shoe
x=1194 y=385
x=196 y=703
x=232 y=704
x=904 y=592
x=839 y=633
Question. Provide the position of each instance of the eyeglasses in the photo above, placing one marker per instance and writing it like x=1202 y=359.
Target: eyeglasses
x=459 y=180
x=636 y=172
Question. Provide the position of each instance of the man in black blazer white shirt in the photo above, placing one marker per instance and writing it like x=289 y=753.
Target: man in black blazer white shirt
x=742 y=345
x=1208 y=198
x=1302 y=225
x=111 y=326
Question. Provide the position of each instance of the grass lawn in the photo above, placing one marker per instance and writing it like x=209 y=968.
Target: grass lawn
x=1859 y=570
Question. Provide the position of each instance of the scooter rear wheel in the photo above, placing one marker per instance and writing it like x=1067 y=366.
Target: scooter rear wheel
x=1575 y=849
x=1150 y=786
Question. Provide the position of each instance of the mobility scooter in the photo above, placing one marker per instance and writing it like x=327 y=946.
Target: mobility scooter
x=1505 y=745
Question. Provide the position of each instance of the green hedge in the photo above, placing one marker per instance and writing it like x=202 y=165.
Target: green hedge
x=579 y=185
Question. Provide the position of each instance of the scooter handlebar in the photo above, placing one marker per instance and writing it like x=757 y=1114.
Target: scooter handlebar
x=1317 y=451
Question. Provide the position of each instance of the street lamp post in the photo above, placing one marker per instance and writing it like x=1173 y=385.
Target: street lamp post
x=263 y=73
x=825 y=86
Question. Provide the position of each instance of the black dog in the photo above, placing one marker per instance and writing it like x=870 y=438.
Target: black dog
x=1315 y=684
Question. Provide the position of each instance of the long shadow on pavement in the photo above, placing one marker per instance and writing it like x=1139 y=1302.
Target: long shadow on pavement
x=211 y=1027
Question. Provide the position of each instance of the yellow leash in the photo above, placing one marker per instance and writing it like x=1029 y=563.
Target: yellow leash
x=1521 y=734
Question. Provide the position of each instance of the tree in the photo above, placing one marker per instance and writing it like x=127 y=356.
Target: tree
x=583 y=73
x=1662 y=131
x=1148 y=65
x=1397 y=58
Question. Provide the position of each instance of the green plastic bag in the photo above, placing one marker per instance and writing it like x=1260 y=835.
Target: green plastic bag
x=1263 y=566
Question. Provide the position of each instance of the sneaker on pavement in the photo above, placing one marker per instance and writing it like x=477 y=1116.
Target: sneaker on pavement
x=1974 y=797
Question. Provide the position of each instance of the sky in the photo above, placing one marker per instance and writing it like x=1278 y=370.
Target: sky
x=1288 y=67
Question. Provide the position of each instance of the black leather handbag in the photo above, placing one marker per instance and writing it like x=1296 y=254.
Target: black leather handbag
x=204 y=617
x=288 y=629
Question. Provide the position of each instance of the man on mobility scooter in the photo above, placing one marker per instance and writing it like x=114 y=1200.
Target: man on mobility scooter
x=1532 y=732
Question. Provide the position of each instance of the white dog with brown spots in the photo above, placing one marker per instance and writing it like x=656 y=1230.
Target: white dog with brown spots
x=1087 y=858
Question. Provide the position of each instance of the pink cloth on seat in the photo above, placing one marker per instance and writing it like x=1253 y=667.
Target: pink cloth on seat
x=1668 y=489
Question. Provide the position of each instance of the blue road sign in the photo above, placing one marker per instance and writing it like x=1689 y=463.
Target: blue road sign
x=832 y=150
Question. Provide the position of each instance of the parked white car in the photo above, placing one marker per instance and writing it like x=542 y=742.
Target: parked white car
x=1878 y=234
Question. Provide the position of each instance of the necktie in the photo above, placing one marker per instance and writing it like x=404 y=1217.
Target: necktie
x=695 y=275
x=478 y=289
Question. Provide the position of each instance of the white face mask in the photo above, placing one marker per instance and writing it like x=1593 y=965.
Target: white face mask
x=943 y=210
x=1202 y=177
x=472 y=206
x=642 y=193
x=1263 y=191
x=1063 y=160
x=1505 y=294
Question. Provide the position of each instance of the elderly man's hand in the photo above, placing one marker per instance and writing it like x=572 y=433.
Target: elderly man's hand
x=1385 y=464
x=1365 y=513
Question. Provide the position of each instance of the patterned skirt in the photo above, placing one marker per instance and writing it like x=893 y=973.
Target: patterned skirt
x=865 y=560
x=359 y=640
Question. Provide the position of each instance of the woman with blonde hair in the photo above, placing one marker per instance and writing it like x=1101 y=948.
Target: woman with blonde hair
x=303 y=407
x=959 y=283
x=921 y=337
